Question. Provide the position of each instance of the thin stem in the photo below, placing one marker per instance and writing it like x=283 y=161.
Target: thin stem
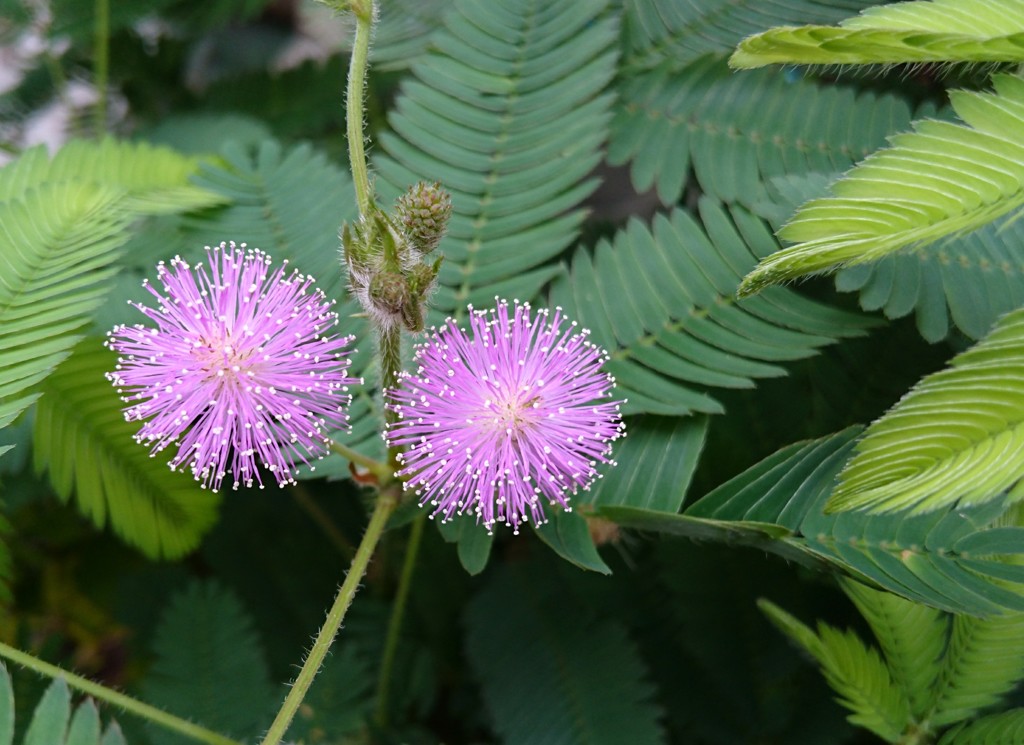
x=386 y=502
x=395 y=622
x=102 y=693
x=390 y=343
x=382 y=471
x=321 y=518
x=364 y=12
x=101 y=71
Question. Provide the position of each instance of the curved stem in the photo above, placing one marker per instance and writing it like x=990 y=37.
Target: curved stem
x=386 y=502
x=101 y=70
x=364 y=12
x=382 y=471
x=128 y=704
x=395 y=622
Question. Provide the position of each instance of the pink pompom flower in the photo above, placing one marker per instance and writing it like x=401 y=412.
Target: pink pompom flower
x=238 y=368
x=494 y=421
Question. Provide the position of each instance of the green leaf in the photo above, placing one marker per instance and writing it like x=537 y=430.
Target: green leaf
x=151 y=179
x=1004 y=727
x=508 y=112
x=667 y=30
x=778 y=504
x=968 y=281
x=662 y=303
x=473 y=541
x=56 y=247
x=546 y=678
x=932 y=31
x=209 y=664
x=984 y=661
x=912 y=637
x=85 y=725
x=80 y=436
x=50 y=719
x=956 y=438
x=941 y=179
x=738 y=132
x=6 y=707
x=855 y=671
x=655 y=463
x=568 y=535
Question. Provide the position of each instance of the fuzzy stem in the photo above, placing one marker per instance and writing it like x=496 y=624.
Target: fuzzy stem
x=390 y=343
x=364 y=11
x=386 y=502
x=101 y=71
x=395 y=622
x=128 y=704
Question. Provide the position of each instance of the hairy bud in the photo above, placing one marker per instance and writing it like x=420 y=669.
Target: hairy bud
x=423 y=212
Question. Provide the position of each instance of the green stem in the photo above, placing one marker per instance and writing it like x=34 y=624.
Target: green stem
x=101 y=71
x=390 y=342
x=382 y=471
x=386 y=501
x=364 y=12
x=102 y=693
x=395 y=622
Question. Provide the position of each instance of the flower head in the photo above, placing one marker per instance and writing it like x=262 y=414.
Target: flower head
x=237 y=369
x=493 y=422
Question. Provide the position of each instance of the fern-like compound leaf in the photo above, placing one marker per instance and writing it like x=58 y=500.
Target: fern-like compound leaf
x=508 y=112
x=661 y=301
x=912 y=637
x=670 y=31
x=81 y=438
x=574 y=683
x=57 y=244
x=984 y=661
x=855 y=671
x=922 y=31
x=941 y=179
x=956 y=438
x=209 y=664
x=739 y=131
x=994 y=729
x=953 y=559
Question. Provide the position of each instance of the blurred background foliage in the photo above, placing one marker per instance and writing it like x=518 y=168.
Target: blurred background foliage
x=601 y=156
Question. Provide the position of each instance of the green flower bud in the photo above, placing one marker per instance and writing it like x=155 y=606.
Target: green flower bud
x=423 y=212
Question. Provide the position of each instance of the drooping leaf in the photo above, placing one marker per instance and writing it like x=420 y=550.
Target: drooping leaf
x=508 y=112
x=81 y=438
x=568 y=535
x=739 y=131
x=956 y=438
x=209 y=665
x=951 y=559
x=662 y=303
x=941 y=179
x=546 y=678
x=922 y=31
x=855 y=671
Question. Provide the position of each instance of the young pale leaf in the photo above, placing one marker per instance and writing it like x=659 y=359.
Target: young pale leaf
x=81 y=438
x=941 y=179
x=546 y=677
x=855 y=671
x=1005 y=727
x=912 y=637
x=984 y=661
x=209 y=664
x=956 y=438
x=85 y=725
x=922 y=31
x=57 y=244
